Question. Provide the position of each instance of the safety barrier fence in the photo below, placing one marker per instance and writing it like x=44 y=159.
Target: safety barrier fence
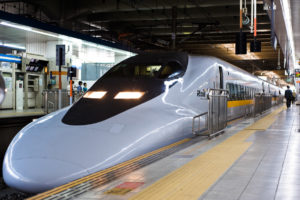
x=50 y=100
x=279 y=100
x=215 y=120
x=262 y=102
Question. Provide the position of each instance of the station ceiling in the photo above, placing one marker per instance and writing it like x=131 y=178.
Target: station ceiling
x=202 y=26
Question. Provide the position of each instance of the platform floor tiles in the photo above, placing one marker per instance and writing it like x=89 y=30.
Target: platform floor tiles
x=270 y=169
x=254 y=159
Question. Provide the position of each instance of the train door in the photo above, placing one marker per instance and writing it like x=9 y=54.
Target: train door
x=221 y=79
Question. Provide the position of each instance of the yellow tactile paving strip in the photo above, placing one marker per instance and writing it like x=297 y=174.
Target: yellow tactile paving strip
x=100 y=173
x=267 y=121
x=197 y=176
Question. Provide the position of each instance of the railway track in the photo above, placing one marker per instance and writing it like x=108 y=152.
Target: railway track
x=7 y=193
x=9 y=127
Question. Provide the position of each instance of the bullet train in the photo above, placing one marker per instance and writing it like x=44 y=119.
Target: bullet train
x=141 y=104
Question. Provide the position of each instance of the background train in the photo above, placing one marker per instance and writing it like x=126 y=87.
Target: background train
x=143 y=103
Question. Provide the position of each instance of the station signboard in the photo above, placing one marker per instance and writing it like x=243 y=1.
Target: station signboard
x=60 y=54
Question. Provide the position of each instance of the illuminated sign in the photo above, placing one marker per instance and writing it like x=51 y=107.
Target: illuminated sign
x=10 y=58
x=297 y=73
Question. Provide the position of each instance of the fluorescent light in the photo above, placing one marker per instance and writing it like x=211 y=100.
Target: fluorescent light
x=10 y=59
x=44 y=33
x=26 y=28
x=288 y=24
x=94 y=95
x=129 y=95
x=70 y=39
x=13 y=46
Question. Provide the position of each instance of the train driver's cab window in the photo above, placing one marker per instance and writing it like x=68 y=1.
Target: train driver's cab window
x=170 y=70
x=143 y=70
x=147 y=70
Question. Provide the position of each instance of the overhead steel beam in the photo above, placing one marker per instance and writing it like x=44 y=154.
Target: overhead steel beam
x=174 y=26
x=165 y=14
x=81 y=9
x=229 y=20
x=185 y=31
x=217 y=41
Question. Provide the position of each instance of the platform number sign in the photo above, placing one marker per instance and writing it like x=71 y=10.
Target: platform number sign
x=60 y=54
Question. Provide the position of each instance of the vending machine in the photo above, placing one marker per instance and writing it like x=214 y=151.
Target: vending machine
x=19 y=95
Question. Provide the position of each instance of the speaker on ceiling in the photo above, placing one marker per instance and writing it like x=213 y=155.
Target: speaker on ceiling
x=241 y=43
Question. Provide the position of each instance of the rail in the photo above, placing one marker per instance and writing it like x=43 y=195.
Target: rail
x=214 y=121
x=279 y=100
x=50 y=100
x=216 y=117
x=262 y=103
x=199 y=130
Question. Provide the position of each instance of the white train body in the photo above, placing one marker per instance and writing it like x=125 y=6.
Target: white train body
x=85 y=138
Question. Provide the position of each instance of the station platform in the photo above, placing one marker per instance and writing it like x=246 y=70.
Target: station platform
x=257 y=158
x=21 y=113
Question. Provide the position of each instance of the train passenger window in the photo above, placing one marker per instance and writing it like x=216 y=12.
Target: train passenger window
x=246 y=92
x=230 y=88
x=249 y=93
x=236 y=93
x=227 y=88
x=233 y=93
x=242 y=92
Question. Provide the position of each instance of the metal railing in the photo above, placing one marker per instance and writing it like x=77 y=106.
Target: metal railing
x=201 y=123
x=50 y=100
x=216 y=117
x=217 y=110
x=279 y=100
x=262 y=102
x=215 y=120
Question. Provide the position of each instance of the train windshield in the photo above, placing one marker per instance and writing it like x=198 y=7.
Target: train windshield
x=143 y=70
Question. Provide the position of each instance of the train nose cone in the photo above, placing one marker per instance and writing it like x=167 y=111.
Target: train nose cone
x=33 y=175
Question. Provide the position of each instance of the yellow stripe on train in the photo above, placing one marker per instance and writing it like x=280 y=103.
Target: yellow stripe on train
x=231 y=104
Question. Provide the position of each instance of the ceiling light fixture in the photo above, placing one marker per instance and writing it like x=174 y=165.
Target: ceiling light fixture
x=64 y=37
x=13 y=46
x=288 y=24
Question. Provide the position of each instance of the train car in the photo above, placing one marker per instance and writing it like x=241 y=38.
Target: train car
x=141 y=104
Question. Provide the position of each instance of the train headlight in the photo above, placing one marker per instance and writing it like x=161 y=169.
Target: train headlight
x=129 y=95
x=94 y=95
